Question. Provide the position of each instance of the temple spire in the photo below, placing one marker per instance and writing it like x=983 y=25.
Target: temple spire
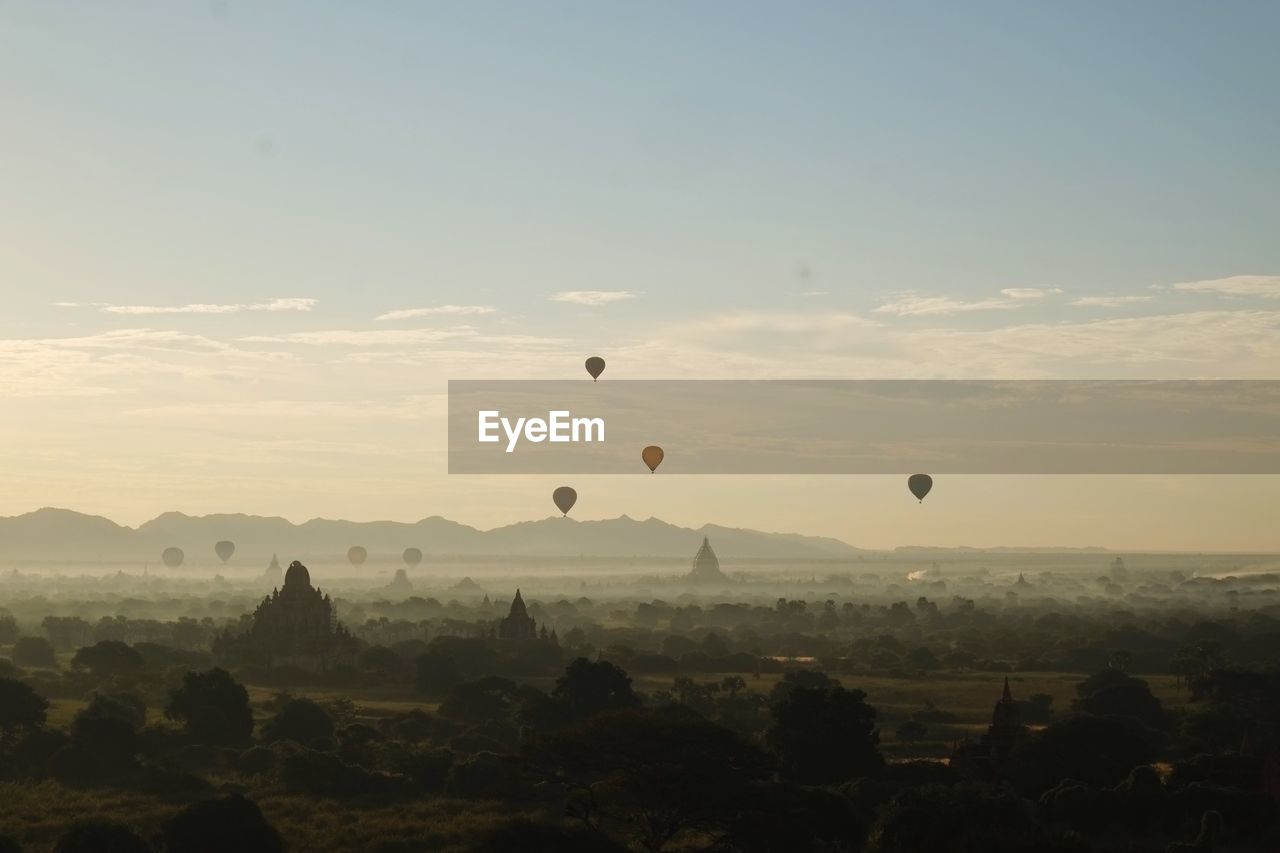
x=1007 y=697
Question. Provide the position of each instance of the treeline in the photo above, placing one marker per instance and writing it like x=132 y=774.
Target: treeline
x=592 y=764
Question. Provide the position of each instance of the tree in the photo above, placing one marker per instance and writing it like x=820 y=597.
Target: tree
x=1098 y=751
x=102 y=749
x=483 y=700
x=1113 y=693
x=588 y=688
x=524 y=836
x=35 y=652
x=101 y=837
x=300 y=720
x=1037 y=708
x=824 y=736
x=125 y=707
x=21 y=708
x=911 y=731
x=791 y=679
x=219 y=825
x=108 y=658
x=436 y=674
x=213 y=706
x=656 y=776
x=8 y=630
x=963 y=820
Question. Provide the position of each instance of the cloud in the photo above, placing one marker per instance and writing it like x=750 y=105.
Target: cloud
x=290 y=304
x=1266 y=286
x=1212 y=344
x=783 y=323
x=365 y=337
x=126 y=361
x=912 y=304
x=1029 y=292
x=1109 y=301
x=591 y=297
x=452 y=310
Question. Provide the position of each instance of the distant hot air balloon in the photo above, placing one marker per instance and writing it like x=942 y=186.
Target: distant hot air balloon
x=224 y=550
x=652 y=456
x=595 y=366
x=412 y=556
x=173 y=557
x=565 y=497
x=357 y=555
x=920 y=484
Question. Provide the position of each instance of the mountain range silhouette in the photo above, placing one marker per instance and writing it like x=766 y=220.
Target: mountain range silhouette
x=51 y=534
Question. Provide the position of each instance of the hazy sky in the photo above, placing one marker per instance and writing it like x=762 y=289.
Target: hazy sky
x=243 y=245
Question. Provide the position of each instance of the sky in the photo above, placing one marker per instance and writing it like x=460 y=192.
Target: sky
x=243 y=246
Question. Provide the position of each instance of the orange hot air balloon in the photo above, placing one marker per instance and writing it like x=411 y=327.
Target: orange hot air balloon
x=565 y=497
x=224 y=549
x=920 y=484
x=356 y=555
x=173 y=557
x=412 y=556
x=595 y=366
x=652 y=456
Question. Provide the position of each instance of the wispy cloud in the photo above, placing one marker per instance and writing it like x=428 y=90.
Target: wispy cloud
x=449 y=310
x=912 y=304
x=1016 y=293
x=1267 y=286
x=592 y=297
x=365 y=337
x=273 y=305
x=1109 y=301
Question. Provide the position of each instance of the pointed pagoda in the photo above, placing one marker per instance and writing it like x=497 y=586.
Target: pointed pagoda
x=517 y=624
x=987 y=758
x=706 y=566
x=273 y=573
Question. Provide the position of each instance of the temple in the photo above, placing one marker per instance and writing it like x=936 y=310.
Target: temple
x=294 y=626
x=518 y=624
x=987 y=758
x=706 y=566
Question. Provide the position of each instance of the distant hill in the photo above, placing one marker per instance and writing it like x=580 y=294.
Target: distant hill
x=48 y=535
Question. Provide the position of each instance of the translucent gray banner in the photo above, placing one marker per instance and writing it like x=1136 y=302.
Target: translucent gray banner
x=866 y=427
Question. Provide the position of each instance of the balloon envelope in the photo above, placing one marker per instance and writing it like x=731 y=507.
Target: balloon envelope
x=652 y=456
x=564 y=497
x=920 y=484
x=595 y=366
x=412 y=556
x=357 y=555
x=224 y=550
x=173 y=557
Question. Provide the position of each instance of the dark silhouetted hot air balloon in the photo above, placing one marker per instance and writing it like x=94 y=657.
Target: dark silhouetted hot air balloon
x=920 y=484
x=595 y=366
x=564 y=497
x=652 y=456
x=412 y=556
x=173 y=557
x=357 y=555
x=224 y=550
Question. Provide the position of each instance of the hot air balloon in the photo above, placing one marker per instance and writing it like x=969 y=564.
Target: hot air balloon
x=173 y=557
x=595 y=366
x=357 y=555
x=920 y=484
x=564 y=498
x=412 y=556
x=652 y=456
x=224 y=550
